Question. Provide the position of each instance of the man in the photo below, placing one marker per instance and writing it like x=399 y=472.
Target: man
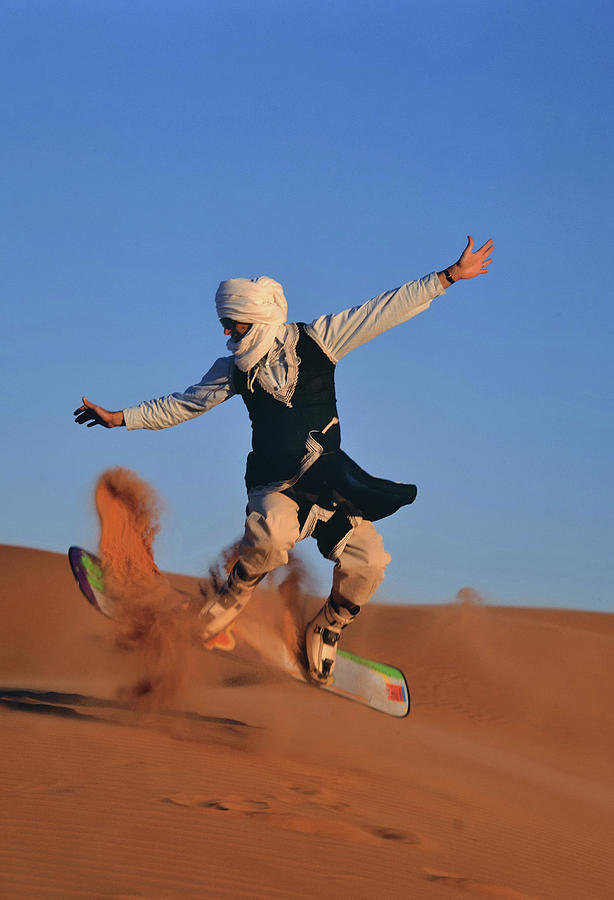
x=299 y=481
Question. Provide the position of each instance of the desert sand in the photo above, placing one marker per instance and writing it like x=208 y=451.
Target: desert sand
x=243 y=783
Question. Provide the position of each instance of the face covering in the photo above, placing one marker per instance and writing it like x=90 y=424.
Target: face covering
x=259 y=301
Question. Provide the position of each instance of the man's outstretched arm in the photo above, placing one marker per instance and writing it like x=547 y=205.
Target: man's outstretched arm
x=215 y=387
x=339 y=333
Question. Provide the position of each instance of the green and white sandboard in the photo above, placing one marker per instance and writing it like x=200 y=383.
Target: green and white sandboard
x=365 y=681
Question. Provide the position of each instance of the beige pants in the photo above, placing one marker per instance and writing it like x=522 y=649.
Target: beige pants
x=272 y=529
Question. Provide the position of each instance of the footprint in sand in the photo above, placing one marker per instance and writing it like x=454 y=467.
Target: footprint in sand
x=235 y=804
x=282 y=818
x=393 y=834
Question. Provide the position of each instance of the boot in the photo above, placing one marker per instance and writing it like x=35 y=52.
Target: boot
x=321 y=638
x=218 y=613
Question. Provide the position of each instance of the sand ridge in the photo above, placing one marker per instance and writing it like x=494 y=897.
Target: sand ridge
x=252 y=785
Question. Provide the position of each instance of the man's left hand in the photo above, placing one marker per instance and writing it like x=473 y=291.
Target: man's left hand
x=471 y=264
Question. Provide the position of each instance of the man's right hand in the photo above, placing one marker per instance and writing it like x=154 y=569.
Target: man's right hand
x=97 y=415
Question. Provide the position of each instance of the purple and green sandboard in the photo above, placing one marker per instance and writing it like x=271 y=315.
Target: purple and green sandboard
x=374 y=684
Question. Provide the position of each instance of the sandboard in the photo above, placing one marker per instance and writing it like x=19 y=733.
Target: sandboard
x=374 y=684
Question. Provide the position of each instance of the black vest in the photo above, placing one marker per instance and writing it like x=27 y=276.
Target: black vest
x=280 y=432
x=279 y=445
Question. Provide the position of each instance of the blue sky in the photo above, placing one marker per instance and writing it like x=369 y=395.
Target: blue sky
x=150 y=150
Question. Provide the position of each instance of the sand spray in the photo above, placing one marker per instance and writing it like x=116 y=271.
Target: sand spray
x=153 y=626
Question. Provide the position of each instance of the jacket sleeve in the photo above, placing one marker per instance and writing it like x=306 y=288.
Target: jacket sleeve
x=339 y=333
x=213 y=388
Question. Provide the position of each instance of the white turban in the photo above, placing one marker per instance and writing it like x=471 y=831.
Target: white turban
x=259 y=301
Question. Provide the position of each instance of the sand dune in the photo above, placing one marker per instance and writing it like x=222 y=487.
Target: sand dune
x=251 y=785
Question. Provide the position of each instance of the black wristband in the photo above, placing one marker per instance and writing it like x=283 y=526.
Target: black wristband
x=446 y=272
